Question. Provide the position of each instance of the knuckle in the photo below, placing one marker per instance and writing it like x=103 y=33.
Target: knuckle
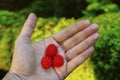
x=82 y=57
x=83 y=34
x=66 y=34
x=86 y=43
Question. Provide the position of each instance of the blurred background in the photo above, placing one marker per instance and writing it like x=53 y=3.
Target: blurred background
x=54 y=15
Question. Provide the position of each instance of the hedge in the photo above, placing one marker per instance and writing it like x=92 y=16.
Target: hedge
x=105 y=59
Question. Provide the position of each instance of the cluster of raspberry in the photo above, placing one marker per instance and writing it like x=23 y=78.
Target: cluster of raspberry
x=52 y=58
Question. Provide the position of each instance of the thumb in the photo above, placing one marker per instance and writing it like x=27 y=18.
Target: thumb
x=28 y=26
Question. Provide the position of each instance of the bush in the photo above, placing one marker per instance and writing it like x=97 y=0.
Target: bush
x=105 y=59
x=42 y=8
x=97 y=7
x=116 y=2
x=58 y=8
x=106 y=56
x=8 y=19
x=14 y=5
x=10 y=25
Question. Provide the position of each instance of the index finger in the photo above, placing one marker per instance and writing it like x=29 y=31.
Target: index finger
x=69 y=31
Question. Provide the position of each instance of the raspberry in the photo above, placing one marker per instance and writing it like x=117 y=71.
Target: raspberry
x=58 y=61
x=51 y=50
x=46 y=62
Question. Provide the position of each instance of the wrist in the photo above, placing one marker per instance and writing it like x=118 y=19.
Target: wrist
x=11 y=76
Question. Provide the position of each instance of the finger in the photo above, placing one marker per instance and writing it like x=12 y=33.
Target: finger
x=69 y=31
x=80 y=36
x=81 y=46
x=29 y=26
x=79 y=59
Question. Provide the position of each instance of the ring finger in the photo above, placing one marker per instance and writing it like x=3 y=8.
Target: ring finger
x=78 y=37
x=81 y=46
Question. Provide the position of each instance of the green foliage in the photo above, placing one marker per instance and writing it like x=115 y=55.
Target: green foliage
x=106 y=56
x=58 y=8
x=14 y=5
x=73 y=8
x=5 y=49
x=10 y=25
x=8 y=18
x=46 y=27
x=116 y=2
x=42 y=8
x=97 y=7
x=61 y=8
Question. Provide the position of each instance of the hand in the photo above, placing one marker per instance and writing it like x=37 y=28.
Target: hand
x=75 y=44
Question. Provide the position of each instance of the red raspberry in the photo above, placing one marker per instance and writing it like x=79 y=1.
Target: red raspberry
x=58 y=61
x=51 y=50
x=46 y=62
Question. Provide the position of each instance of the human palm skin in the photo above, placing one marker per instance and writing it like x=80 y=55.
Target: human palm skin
x=74 y=43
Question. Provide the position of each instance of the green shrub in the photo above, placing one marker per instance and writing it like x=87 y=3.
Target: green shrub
x=106 y=56
x=14 y=5
x=8 y=18
x=6 y=49
x=42 y=8
x=48 y=26
x=58 y=8
x=10 y=25
x=97 y=7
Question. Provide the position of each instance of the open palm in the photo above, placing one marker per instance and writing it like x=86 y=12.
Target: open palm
x=74 y=43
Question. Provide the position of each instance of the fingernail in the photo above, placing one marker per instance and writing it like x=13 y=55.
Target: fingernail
x=86 y=22
x=91 y=49
x=94 y=26
x=32 y=14
x=95 y=36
